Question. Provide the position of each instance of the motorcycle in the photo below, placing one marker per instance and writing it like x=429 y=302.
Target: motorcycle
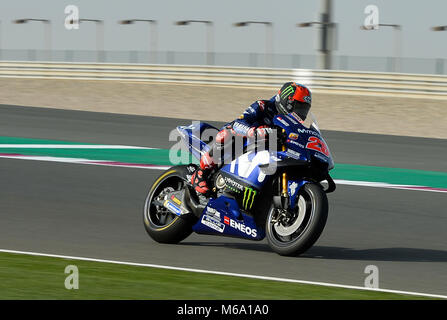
x=250 y=200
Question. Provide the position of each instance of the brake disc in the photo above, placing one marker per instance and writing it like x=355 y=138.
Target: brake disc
x=285 y=231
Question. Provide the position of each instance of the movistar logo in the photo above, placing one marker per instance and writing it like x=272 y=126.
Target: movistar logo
x=287 y=91
x=249 y=198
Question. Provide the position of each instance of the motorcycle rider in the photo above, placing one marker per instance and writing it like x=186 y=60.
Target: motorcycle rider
x=253 y=123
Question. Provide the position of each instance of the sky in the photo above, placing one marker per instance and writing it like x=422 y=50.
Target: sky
x=416 y=18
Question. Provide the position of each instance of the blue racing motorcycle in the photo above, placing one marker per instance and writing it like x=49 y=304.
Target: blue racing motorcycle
x=279 y=194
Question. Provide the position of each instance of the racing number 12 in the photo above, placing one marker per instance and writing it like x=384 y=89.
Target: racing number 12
x=317 y=145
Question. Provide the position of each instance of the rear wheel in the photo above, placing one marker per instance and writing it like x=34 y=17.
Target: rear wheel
x=162 y=225
x=293 y=231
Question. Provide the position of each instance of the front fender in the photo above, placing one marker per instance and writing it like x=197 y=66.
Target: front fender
x=293 y=187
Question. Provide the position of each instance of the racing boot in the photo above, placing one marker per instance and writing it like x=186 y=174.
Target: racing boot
x=199 y=178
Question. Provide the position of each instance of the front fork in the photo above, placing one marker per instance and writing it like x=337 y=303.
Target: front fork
x=288 y=190
x=284 y=188
x=283 y=191
x=283 y=202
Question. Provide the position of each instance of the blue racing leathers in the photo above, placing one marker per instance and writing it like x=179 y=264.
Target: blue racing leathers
x=260 y=113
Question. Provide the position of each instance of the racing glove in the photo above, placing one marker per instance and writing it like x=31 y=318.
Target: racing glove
x=260 y=132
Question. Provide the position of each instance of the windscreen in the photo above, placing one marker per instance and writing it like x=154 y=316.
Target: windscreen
x=311 y=122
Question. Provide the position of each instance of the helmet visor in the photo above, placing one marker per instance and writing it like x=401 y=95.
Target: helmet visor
x=300 y=108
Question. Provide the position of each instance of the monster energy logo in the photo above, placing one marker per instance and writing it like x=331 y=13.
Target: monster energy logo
x=249 y=198
x=286 y=91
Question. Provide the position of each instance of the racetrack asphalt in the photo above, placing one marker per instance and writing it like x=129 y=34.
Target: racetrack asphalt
x=95 y=211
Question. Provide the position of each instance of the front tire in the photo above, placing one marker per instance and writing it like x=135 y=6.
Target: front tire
x=294 y=233
x=162 y=225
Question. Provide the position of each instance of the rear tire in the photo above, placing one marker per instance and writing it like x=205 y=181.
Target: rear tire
x=297 y=236
x=162 y=225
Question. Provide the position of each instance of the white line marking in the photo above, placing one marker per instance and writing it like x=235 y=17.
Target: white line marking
x=111 y=163
x=388 y=185
x=371 y=184
x=69 y=146
x=108 y=163
x=240 y=275
x=47 y=158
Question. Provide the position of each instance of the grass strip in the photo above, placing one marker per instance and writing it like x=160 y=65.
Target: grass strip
x=35 y=277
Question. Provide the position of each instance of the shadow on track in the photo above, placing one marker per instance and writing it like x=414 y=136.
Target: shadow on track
x=339 y=253
x=252 y=246
x=378 y=254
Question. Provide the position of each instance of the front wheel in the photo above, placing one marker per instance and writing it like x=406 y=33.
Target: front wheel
x=162 y=225
x=292 y=232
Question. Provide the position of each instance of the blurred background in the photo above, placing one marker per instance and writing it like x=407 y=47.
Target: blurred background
x=365 y=61
x=291 y=34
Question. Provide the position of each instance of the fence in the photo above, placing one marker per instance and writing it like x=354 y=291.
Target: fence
x=351 y=63
x=348 y=82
